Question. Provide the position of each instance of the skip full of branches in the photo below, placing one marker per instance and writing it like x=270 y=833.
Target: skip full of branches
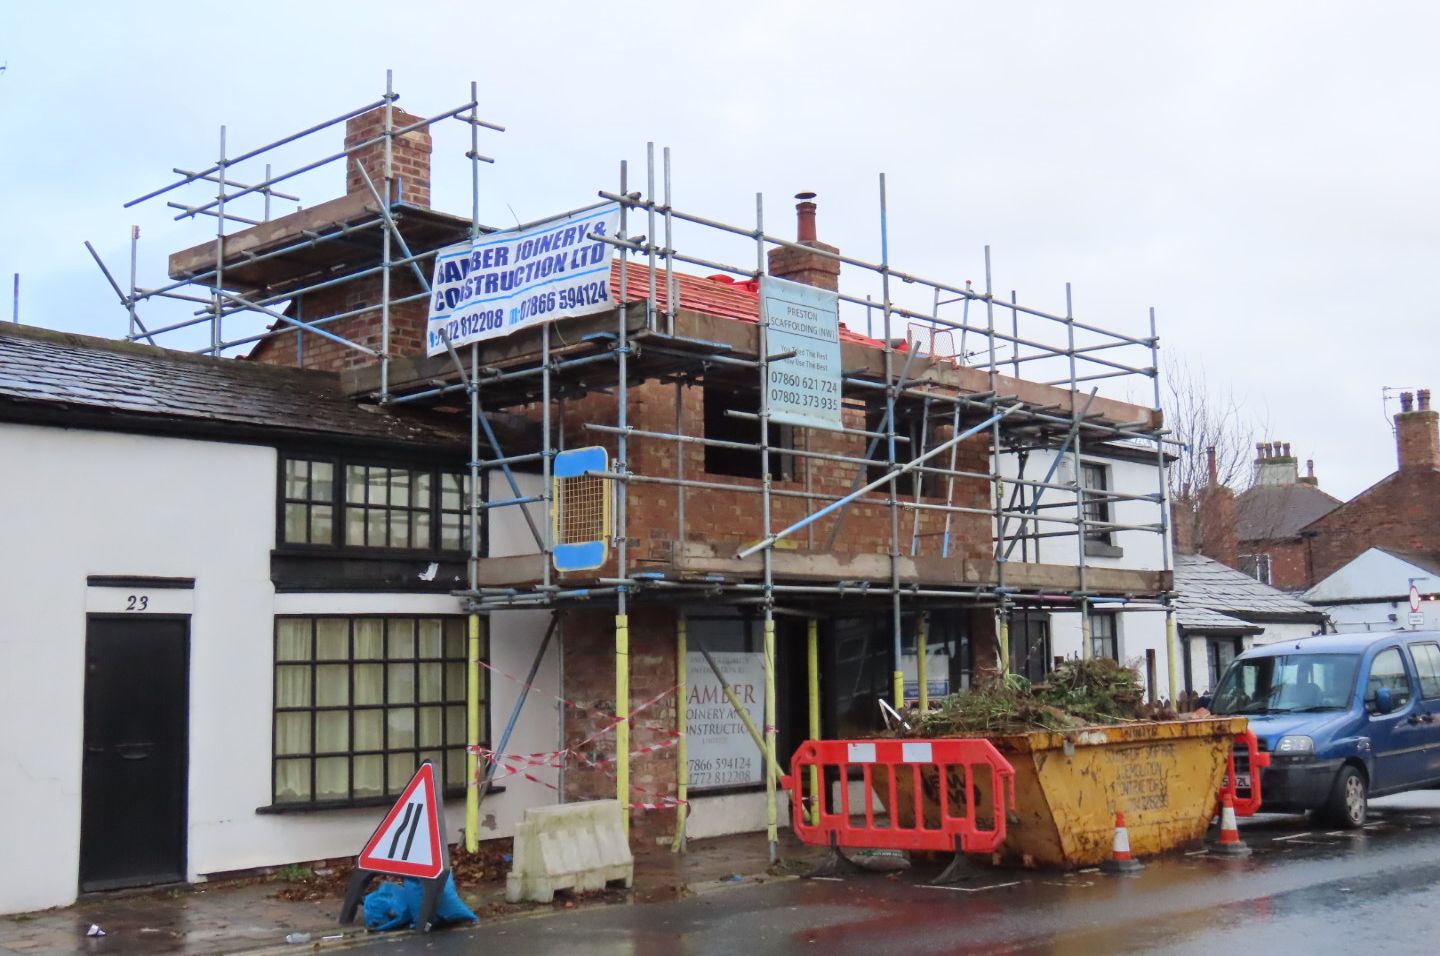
x=1078 y=693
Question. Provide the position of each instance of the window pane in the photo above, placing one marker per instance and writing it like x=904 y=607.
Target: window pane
x=369 y=684
x=332 y=732
x=369 y=776
x=420 y=529
x=355 y=526
x=369 y=639
x=379 y=485
x=292 y=685
x=322 y=529
x=332 y=639
x=399 y=489
x=292 y=733
x=432 y=688
x=322 y=473
x=400 y=722
x=292 y=781
x=402 y=638
x=332 y=778
x=400 y=767
x=355 y=484
x=454 y=637
x=455 y=725
x=1388 y=670
x=432 y=731
x=450 y=539
x=375 y=528
x=332 y=685
x=1427 y=662
x=454 y=768
x=293 y=640
x=400 y=687
x=370 y=729
x=296 y=523
x=399 y=529
x=420 y=490
x=455 y=682
x=437 y=758
x=296 y=483
x=430 y=642
x=451 y=498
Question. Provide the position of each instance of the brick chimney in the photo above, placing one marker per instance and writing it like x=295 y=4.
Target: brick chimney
x=409 y=156
x=1309 y=477
x=798 y=265
x=1215 y=535
x=1274 y=465
x=1417 y=432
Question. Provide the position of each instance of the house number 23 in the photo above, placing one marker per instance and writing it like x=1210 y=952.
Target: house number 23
x=137 y=602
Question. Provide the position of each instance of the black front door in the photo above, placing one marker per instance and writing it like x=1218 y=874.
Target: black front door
x=132 y=814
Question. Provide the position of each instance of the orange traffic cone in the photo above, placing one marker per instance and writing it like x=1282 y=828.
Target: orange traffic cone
x=1230 y=843
x=1120 y=859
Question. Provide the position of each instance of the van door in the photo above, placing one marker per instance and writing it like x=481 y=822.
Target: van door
x=1426 y=657
x=1396 y=740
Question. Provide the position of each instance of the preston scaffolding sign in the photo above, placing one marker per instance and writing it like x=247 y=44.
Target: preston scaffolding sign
x=507 y=281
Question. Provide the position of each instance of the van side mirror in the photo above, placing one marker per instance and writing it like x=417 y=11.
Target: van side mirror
x=1384 y=701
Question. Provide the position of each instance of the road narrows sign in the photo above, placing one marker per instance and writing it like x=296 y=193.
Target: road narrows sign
x=408 y=841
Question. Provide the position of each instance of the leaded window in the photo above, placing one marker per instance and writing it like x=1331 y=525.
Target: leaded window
x=361 y=701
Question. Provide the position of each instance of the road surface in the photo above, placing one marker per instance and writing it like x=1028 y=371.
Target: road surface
x=1304 y=890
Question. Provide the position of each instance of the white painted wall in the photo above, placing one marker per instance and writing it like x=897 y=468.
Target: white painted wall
x=1372 y=593
x=1135 y=632
x=81 y=503
x=1142 y=549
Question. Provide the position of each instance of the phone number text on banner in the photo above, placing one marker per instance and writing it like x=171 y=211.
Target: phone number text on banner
x=507 y=281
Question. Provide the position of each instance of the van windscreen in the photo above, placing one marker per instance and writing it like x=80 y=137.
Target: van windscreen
x=1291 y=683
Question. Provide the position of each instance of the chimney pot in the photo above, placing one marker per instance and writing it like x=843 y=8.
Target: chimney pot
x=1211 y=468
x=1287 y=449
x=1259 y=450
x=1406 y=401
x=1310 y=467
x=1422 y=399
x=805 y=217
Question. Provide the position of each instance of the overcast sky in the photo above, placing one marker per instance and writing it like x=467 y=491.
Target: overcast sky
x=1263 y=174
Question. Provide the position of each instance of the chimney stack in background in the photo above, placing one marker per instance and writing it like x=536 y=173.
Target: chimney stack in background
x=1275 y=465
x=1417 y=433
x=409 y=156
x=1309 y=477
x=1212 y=472
x=800 y=265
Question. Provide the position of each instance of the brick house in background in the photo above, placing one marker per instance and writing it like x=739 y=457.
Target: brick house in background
x=1271 y=517
x=1399 y=513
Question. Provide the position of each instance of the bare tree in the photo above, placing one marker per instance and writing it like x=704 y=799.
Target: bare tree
x=1205 y=417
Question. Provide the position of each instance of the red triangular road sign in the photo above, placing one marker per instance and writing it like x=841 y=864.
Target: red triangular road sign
x=408 y=841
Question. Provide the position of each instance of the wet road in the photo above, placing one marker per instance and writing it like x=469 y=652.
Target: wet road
x=1302 y=891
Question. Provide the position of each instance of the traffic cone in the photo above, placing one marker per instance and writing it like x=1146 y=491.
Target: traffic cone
x=1120 y=859
x=1230 y=843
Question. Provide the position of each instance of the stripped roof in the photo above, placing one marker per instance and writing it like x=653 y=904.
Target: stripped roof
x=1215 y=597
x=1267 y=512
x=81 y=374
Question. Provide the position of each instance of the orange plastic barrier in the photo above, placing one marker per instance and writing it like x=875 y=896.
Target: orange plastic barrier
x=902 y=773
x=1246 y=799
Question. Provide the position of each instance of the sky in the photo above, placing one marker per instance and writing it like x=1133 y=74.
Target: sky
x=1262 y=174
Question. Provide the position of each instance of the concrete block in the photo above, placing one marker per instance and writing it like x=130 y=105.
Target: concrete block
x=573 y=846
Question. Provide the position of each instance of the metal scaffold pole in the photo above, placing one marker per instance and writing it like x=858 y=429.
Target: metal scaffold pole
x=622 y=468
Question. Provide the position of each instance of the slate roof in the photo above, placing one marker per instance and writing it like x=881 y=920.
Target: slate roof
x=78 y=375
x=1266 y=512
x=1213 y=597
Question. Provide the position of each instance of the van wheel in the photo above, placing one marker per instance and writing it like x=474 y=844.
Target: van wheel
x=1347 y=804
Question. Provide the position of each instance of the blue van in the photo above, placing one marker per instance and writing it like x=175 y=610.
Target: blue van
x=1344 y=717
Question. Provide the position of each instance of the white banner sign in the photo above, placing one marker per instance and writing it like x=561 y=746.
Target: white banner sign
x=721 y=751
x=805 y=389
x=512 y=280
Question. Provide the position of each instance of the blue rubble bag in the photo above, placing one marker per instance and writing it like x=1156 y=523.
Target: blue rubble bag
x=397 y=906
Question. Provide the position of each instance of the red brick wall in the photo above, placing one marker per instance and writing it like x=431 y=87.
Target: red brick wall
x=1289 y=562
x=1417 y=438
x=1402 y=512
x=407 y=326
x=589 y=648
x=409 y=156
x=728 y=519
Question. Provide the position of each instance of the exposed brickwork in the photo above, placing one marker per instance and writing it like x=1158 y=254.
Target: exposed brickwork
x=409 y=156
x=1401 y=513
x=1215 y=525
x=1417 y=439
x=407 y=326
x=1289 y=562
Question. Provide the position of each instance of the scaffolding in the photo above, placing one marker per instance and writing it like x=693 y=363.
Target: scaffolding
x=910 y=368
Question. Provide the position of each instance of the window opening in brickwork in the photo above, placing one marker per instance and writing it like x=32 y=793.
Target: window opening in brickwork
x=1258 y=566
x=365 y=505
x=742 y=462
x=916 y=436
x=361 y=701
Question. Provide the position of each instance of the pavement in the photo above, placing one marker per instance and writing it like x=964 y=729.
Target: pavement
x=247 y=916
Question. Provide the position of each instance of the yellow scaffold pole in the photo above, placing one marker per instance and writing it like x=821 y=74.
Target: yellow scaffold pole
x=472 y=738
x=1172 y=655
x=1003 y=639
x=682 y=751
x=772 y=815
x=922 y=665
